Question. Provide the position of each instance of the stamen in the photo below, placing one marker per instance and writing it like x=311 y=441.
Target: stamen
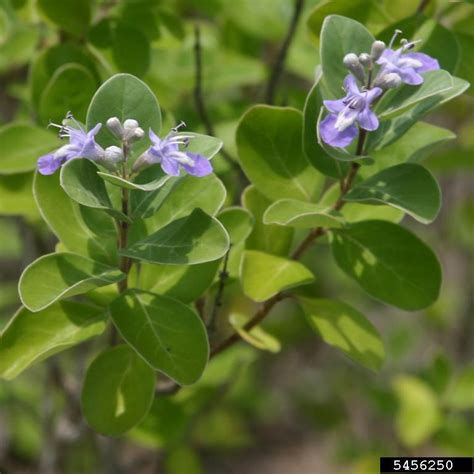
x=397 y=32
x=411 y=44
x=180 y=125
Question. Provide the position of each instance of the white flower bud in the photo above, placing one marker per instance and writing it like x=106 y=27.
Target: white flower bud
x=114 y=125
x=130 y=123
x=141 y=162
x=138 y=134
x=365 y=60
x=378 y=47
x=113 y=154
x=351 y=61
x=389 y=80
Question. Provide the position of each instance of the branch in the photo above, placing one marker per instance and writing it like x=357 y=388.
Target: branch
x=223 y=275
x=279 y=65
x=199 y=96
x=422 y=6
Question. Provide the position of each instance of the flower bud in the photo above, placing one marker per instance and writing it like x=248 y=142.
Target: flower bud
x=114 y=154
x=351 y=61
x=114 y=125
x=130 y=123
x=389 y=80
x=141 y=162
x=138 y=134
x=130 y=126
x=378 y=47
x=365 y=60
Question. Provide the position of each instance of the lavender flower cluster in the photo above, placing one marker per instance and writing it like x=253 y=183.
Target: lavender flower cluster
x=371 y=75
x=164 y=151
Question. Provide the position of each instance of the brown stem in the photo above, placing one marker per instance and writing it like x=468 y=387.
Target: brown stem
x=223 y=275
x=279 y=65
x=422 y=6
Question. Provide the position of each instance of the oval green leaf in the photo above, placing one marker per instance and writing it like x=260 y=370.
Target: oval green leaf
x=388 y=262
x=238 y=222
x=126 y=97
x=408 y=187
x=343 y=327
x=118 y=391
x=302 y=215
x=61 y=275
x=22 y=144
x=197 y=238
x=264 y=275
x=31 y=337
x=85 y=231
x=269 y=143
x=166 y=333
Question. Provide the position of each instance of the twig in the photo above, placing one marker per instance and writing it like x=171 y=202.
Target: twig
x=223 y=275
x=422 y=6
x=279 y=65
x=199 y=96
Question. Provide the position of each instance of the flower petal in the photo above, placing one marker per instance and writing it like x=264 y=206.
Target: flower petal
x=410 y=76
x=373 y=94
x=334 y=106
x=202 y=166
x=330 y=135
x=428 y=63
x=154 y=137
x=350 y=84
x=170 y=166
x=48 y=164
x=368 y=120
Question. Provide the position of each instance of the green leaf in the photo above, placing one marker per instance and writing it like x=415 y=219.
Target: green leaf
x=408 y=187
x=413 y=146
x=73 y=17
x=169 y=335
x=126 y=97
x=391 y=130
x=118 y=391
x=31 y=337
x=197 y=238
x=16 y=197
x=257 y=336
x=274 y=239
x=398 y=100
x=130 y=50
x=238 y=222
x=300 y=214
x=205 y=145
x=179 y=198
x=417 y=401
x=264 y=275
x=183 y=282
x=154 y=180
x=368 y=12
x=388 y=262
x=269 y=143
x=343 y=327
x=85 y=231
x=460 y=395
x=313 y=151
x=81 y=182
x=340 y=36
x=51 y=59
x=22 y=144
x=355 y=212
x=70 y=89
x=61 y=275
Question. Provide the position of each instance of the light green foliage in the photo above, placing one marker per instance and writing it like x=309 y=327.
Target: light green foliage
x=388 y=262
x=118 y=391
x=32 y=337
x=269 y=142
x=61 y=275
x=408 y=187
x=300 y=214
x=264 y=275
x=197 y=238
x=345 y=328
x=21 y=144
x=166 y=333
x=416 y=402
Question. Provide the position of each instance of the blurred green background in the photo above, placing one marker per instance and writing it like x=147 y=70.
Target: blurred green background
x=305 y=409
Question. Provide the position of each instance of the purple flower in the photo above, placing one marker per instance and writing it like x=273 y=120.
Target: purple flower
x=81 y=145
x=407 y=65
x=339 y=128
x=166 y=152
